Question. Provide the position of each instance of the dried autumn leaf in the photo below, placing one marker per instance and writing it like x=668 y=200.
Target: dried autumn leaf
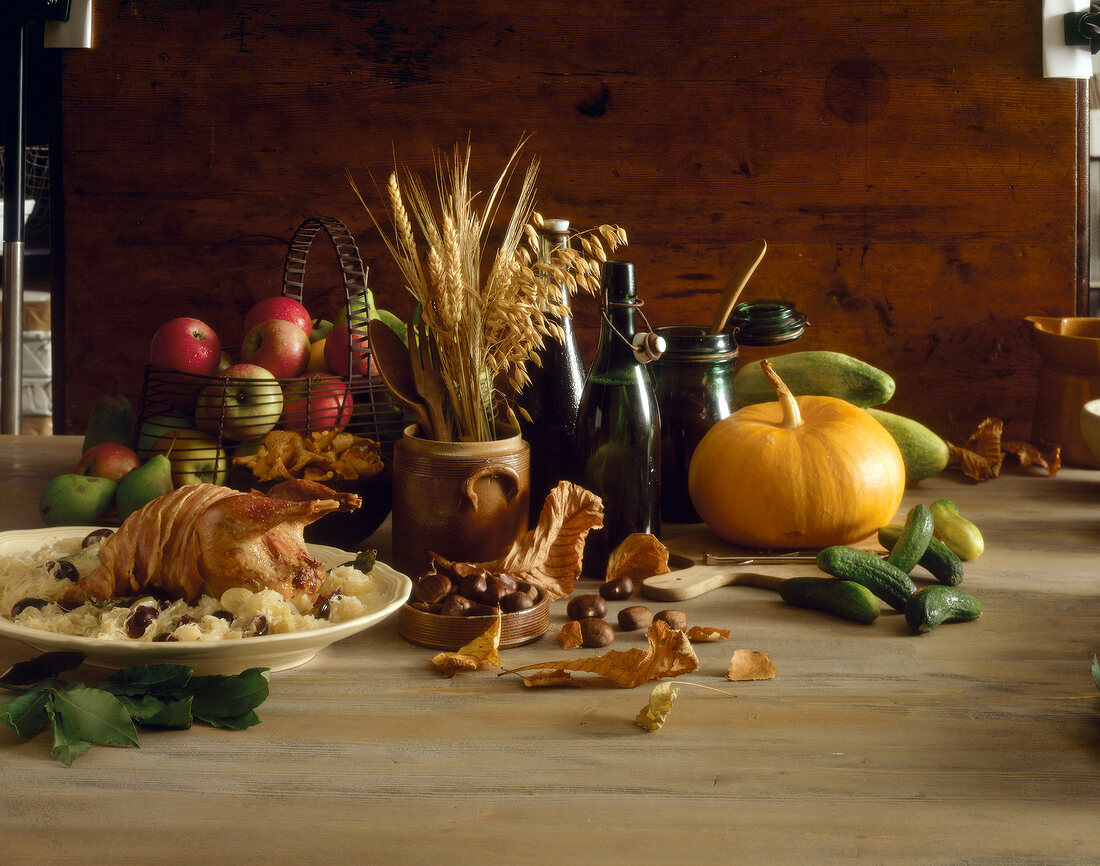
x=981 y=457
x=750 y=665
x=652 y=716
x=480 y=652
x=668 y=654
x=550 y=678
x=638 y=556
x=549 y=556
x=707 y=634
x=1032 y=455
x=570 y=636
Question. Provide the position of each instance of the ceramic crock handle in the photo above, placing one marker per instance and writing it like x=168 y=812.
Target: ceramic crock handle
x=486 y=471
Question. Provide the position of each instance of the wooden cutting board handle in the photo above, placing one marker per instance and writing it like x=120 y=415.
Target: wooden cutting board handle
x=699 y=579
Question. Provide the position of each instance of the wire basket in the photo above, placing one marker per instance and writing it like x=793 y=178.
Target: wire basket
x=194 y=410
x=36 y=184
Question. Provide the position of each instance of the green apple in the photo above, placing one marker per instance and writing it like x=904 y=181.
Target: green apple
x=320 y=329
x=244 y=404
x=361 y=305
x=196 y=457
x=158 y=427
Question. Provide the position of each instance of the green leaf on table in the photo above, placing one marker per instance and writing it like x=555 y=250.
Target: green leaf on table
x=162 y=679
x=94 y=715
x=67 y=744
x=151 y=711
x=27 y=714
x=1096 y=671
x=224 y=698
x=233 y=723
x=42 y=667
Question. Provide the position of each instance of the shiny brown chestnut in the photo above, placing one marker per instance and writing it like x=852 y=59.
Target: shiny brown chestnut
x=584 y=606
x=596 y=633
x=617 y=589
x=676 y=619
x=432 y=587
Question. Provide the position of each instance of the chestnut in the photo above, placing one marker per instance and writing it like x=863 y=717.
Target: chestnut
x=617 y=588
x=432 y=587
x=585 y=606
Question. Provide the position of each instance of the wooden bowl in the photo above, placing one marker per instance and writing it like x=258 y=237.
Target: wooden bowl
x=454 y=632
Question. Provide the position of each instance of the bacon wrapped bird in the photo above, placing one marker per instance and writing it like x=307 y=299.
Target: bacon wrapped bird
x=203 y=539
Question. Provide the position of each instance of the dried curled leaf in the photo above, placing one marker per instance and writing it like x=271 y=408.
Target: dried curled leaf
x=652 y=716
x=750 y=665
x=981 y=457
x=549 y=556
x=550 y=678
x=707 y=634
x=669 y=654
x=1032 y=455
x=482 y=651
x=638 y=556
x=570 y=636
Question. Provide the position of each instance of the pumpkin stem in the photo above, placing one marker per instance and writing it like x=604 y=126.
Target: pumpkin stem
x=792 y=418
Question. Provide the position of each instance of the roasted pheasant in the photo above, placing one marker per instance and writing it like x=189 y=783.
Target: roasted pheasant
x=205 y=539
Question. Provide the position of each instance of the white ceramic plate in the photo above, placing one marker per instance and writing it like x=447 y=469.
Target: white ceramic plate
x=275 y=651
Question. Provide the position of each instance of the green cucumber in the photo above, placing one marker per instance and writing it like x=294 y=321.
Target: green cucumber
x=956 y=531
x=937 y=604
x=913 y=541
x=844 y=598
x=888 y=582
x=925 y=454
x=939 y=560
x=832 y=374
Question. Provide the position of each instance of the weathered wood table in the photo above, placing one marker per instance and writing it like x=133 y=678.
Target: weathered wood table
x=977 y=743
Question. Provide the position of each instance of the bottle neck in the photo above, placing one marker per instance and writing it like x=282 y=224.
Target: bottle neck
x=617 y=330
x=550 y=241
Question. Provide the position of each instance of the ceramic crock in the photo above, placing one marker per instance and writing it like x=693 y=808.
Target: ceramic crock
x=1068 y=378
x=467 y=501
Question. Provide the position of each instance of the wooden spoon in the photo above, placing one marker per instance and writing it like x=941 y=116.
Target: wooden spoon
x=743 y=266
x=392 y=359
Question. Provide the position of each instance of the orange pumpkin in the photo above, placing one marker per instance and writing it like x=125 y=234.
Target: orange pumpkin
x=802 y=472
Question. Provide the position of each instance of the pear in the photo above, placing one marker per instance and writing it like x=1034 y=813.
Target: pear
x=141 y=486
x=76 y=500
x=112 y=420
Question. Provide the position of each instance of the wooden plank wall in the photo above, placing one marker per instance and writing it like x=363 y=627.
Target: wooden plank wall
x=916 y=178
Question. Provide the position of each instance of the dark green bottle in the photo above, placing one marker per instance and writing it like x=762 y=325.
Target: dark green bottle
x=554 y=395
x=618 y=443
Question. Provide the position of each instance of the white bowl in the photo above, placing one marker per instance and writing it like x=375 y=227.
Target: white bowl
x=1090 y=425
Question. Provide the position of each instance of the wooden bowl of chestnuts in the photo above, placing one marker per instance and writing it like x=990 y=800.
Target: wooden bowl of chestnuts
x=454 y=602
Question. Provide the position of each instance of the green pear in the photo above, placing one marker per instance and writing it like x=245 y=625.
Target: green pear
x=112 y=420
x=140 y=486
x=76 y=500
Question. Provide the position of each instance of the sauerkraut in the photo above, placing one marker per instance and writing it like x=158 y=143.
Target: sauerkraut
x=30 y=592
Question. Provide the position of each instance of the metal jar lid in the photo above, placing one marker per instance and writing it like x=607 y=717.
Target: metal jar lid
x=766 y=323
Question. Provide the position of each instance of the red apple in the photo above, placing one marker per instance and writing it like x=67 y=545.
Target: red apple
x=186 y=345
x=336 y=351
x=108 y=460
x=279 y=307
x=244 y=403
x=318 y=402
x=279 y=346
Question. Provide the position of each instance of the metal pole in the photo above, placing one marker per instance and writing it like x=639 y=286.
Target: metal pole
x=15 y=71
